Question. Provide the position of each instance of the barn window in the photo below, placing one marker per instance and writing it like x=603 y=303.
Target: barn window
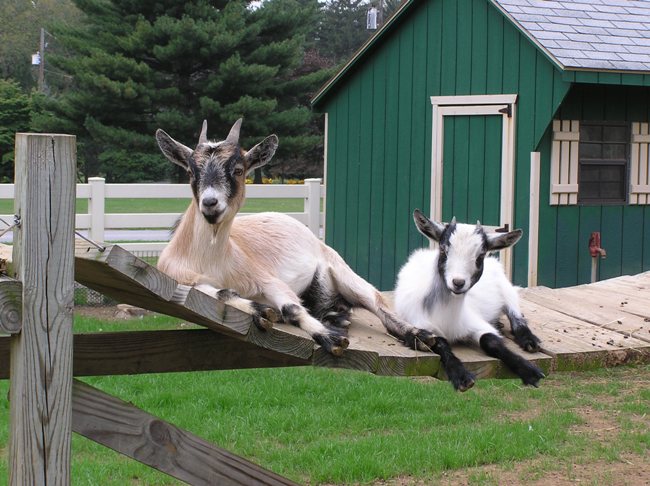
x=603 y=156
x=600 y=162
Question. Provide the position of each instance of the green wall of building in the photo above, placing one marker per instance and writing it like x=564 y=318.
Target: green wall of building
x=379 y=125
x=564 y=230
x=379 y=141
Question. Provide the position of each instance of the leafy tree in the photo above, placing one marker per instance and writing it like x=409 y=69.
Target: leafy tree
x=138 y=66
x=343 y=27
x=20 y=25
x=15 y=114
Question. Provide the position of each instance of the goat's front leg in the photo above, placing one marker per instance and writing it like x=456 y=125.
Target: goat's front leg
x=361 y=293
x=263 y=315
x=522 y=334
x=524 y=337
x=493 y=345
x=424 y=340
x=280 y=295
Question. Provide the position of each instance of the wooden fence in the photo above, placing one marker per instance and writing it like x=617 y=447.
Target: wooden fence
x=97 y=221
x=46 y=402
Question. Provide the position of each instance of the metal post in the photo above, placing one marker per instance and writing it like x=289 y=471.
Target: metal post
x=41 y=66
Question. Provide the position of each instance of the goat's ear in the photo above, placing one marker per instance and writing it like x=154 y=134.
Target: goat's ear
x=261 y=153
x=499 y=241
x=175 y=151
x=430 y=229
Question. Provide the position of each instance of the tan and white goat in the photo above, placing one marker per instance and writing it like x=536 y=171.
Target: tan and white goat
x=269 y=258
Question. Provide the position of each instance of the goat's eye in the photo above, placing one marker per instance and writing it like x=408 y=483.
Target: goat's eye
x=479 y=260
x=238 y=171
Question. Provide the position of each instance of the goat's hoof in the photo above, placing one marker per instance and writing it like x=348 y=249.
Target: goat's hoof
x=463 y=381
x=333 y=343
x=420 y=340
x=528 y=341
x=531 y=375
x=265 y=311
x=262 y=323
x=271 y=314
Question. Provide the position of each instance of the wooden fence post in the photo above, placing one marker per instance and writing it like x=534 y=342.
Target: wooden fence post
x=96 y=208
x=533 y=219
x=41 y=355
x=312 y=205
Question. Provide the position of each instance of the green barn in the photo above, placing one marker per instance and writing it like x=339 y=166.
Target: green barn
x=527 y=113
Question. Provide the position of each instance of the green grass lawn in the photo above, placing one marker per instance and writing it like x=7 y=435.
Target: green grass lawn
x=134 y=205
x=343 y=427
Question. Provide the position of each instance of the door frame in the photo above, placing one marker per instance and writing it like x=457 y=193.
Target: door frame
x=504 y=105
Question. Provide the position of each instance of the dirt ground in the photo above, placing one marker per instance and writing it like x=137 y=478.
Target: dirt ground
x=629 y=470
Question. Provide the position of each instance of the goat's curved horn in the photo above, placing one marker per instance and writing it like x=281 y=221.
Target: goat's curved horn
x=233 y=136
x=203 y=138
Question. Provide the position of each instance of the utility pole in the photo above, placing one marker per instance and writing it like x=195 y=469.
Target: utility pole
x=41 y=66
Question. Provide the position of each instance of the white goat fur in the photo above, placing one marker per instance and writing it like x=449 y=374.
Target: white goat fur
x=455 y=317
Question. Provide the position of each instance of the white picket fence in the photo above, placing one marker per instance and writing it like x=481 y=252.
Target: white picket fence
x=96 y=222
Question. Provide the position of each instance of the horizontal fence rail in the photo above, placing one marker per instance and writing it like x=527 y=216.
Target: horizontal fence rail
x=96 y=222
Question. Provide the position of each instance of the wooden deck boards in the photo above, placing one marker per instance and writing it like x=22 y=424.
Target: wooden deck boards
x=602 y=324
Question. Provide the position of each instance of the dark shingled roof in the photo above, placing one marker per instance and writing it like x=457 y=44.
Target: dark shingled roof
x=587 y=34
x=594 y=35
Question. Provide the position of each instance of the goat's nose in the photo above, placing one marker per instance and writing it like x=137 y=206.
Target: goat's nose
x=459 y=283
x=210 y=202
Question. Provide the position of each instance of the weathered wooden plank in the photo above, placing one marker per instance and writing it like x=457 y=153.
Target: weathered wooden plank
x=612 y=299
x=215 y=311
x=150 y=279
x=615 y=319
x=283 y=338
x=41 y=354
x=394 y=358
x=138 y=352
x=152 y=441
x=576 y=344
x=197 y=307
x=10 y=305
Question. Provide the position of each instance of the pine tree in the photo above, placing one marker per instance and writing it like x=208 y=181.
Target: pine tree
x=139 y=66
x=343 y=26
x=15 y=112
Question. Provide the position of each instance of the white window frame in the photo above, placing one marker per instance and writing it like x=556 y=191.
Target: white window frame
x=565 y=164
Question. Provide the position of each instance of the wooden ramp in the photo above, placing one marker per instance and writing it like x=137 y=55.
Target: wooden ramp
x=597 y=325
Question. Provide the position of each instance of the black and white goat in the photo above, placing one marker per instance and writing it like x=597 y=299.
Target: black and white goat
x=269 y=258
x=457 y=292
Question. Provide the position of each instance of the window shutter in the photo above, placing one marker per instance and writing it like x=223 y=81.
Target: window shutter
x=564 y=162
x=640 y=164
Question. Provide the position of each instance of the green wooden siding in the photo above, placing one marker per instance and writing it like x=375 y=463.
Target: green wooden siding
x=379 y=133
x=472 y=168
x=564 y=230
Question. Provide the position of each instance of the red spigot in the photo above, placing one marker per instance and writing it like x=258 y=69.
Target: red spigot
x=594 y=246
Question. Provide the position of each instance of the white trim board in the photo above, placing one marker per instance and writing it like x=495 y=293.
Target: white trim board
x=476 y=105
